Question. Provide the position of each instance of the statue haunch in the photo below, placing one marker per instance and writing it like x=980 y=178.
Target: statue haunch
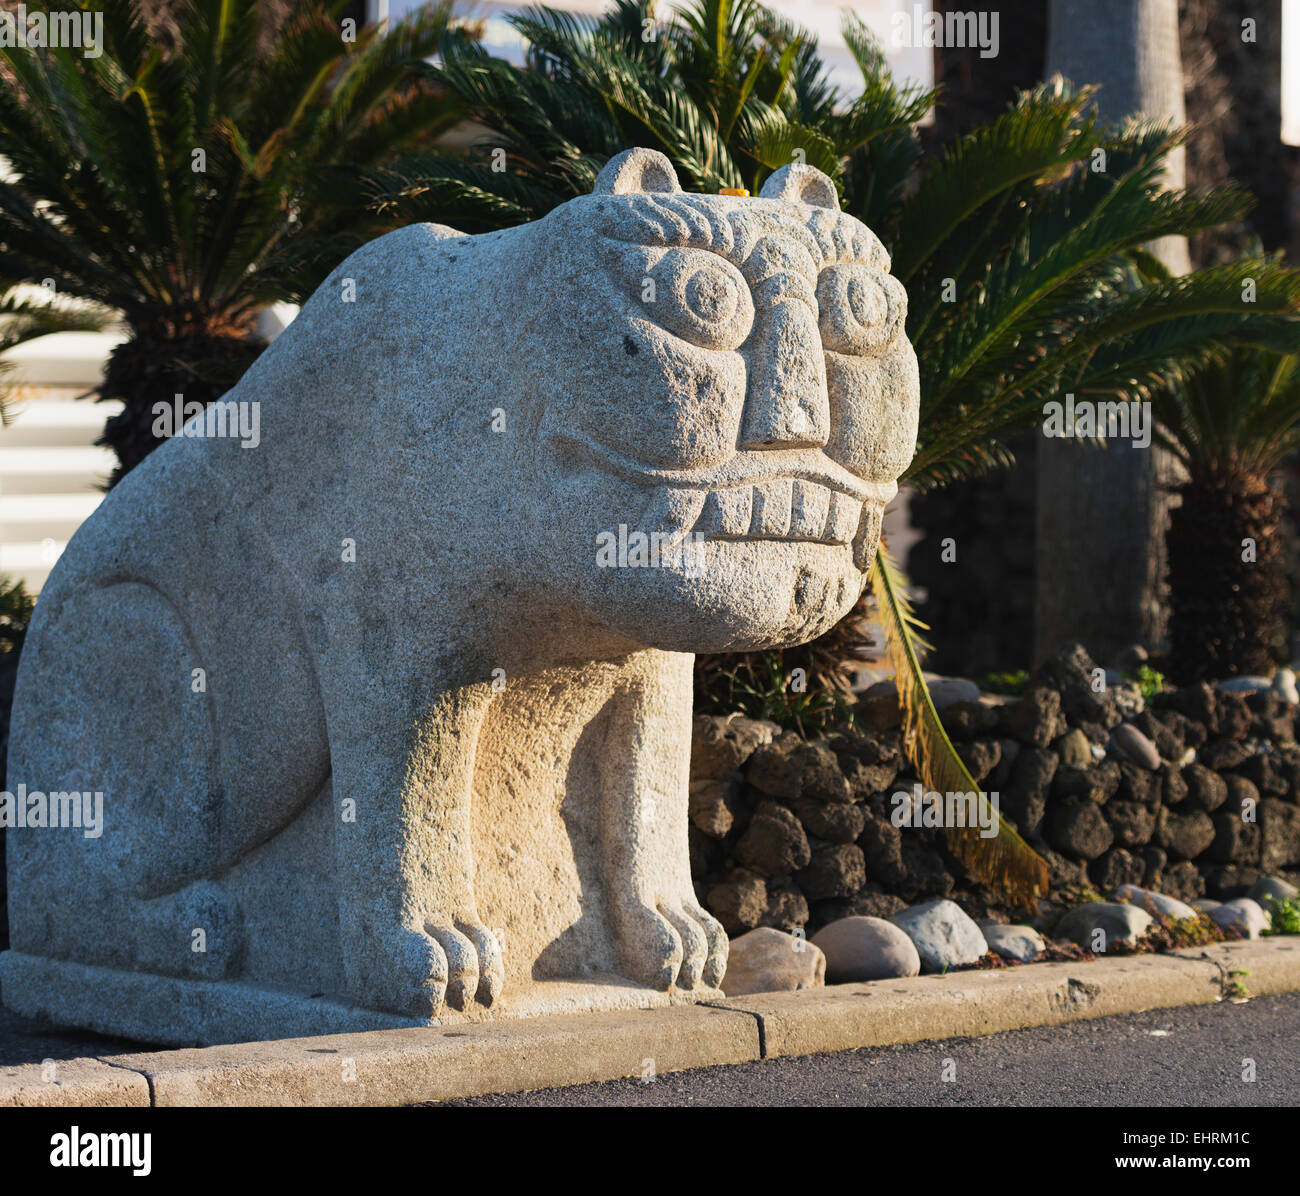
x=391 y=712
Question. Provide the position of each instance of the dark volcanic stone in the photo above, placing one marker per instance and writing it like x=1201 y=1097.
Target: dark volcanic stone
x=1184 y=836
x=1138 y=784
x=787 y=908
x=835 y=871
x=1222 y=754
x=1264 y=771
x=1098 y=783
x=965 y=720
x=738 y=901
x=1154 y=860
x=1078 y=829
x=1184 y=882
x=721 y=744
x=789 y=767
x=1133 y=822
x=775 y=843
x=1236 y=841
x=1025 y=798
x=1279 y=835
x=1234 y=716
x=1206 y=790
x=1035 y=718
x=981 y=757
x=832 y=821
x=1114 y=868
x=1075 y=675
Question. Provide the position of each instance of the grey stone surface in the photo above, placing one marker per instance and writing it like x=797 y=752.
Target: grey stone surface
x=386 y=712
x=1136 y=746
x=866 y=948
x=1156 y=904
x=1021 y=943
x=944 y=934
x=1242 y=914
x=1116 y=922
x=767 y=960
x=1272 y=886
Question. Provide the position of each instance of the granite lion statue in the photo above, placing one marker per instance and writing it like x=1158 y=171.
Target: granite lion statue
x=390 y=711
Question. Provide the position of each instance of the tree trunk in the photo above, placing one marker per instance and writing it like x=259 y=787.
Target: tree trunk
x=1102 y=513
x=1228 y=576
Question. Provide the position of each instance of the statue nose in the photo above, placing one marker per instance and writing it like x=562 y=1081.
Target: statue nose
x=787 y=405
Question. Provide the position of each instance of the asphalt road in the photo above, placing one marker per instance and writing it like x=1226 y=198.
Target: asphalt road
x=1193 y=1056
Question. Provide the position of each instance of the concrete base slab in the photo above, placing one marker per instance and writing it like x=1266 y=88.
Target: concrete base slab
x=403 y=1066
x=72 y=1083
x=203 y=1013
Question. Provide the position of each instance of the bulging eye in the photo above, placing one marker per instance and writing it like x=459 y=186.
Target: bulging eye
x=861 y=309
x=701 y=298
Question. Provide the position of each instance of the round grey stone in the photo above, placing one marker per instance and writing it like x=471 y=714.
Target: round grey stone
x=864 y=948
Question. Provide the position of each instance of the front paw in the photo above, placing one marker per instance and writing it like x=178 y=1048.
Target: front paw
x=474 y=967
x=671 y=943
x=402 y=971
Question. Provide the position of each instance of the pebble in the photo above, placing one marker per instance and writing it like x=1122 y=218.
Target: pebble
x=864 y=948
x=944 y=934
x=768 y=960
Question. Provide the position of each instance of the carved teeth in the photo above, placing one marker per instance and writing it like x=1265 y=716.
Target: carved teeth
x=842 y=518
x=781 y=508
x=808 y=510
x=727 y=512
x=771 y=515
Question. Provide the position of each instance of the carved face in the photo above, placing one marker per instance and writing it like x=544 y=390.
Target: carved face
x=735 y=373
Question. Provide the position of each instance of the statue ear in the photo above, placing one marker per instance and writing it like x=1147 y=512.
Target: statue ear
x=799 y=183
x=634 y=171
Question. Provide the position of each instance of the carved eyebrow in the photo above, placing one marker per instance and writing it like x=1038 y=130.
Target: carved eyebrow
x=687 y=221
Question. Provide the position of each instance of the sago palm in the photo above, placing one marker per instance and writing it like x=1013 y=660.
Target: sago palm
x=187 y=185
x=1231 y=425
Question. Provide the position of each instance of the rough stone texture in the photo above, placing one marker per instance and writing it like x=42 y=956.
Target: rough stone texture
x=1243 y=915
x=1117 y=923
x=1025 y=799
x=1206 y=790
x=859 y=948
x=1116 y=867
x=1022 y=943
x=944 y=934
x=774 y=843
x=720 y=745
x=439 y=757
x=1079 y=829
x=834 y=871
x=1035 y=718
x=768 y=960
x=1156 y=904
x=739 y=900
x=1279 y=834
x=1184 y=836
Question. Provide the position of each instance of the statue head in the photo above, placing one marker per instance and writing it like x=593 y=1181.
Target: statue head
x=727 y=400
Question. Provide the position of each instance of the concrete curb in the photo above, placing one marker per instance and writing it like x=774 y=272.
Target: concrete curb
x=393 y=1067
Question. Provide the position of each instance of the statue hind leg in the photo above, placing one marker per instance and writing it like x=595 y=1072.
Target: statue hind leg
x=119 y=716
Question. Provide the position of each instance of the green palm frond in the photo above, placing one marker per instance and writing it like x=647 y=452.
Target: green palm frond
x=1005 y=862
x=1238 y=415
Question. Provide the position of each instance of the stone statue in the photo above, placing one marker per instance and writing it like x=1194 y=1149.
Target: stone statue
x=390 y=705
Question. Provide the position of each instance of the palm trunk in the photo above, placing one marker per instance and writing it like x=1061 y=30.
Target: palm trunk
x=1228 y=578
x=154 y=367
